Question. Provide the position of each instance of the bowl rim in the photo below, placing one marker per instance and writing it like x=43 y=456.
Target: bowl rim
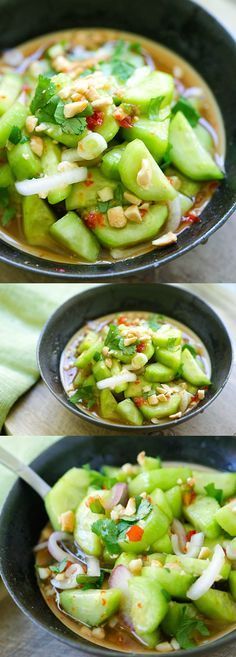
x=36 y=265
x=88 y=648
x=97 y=420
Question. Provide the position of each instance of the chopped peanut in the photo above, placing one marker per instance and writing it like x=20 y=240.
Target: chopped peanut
x=204 y=553
x=61 y=64
x=175 y=416
x=131 y=198
x=98 y=632
x=71 y=109
x=108 y=362
x=132 y=213
x=105 y=351
x=153 y=400
x=201 y=394
x=165 y=646
x=67 y=521
x=101 y=102
x=141 y=457
x=36 y=144
x=116 y=217
x=128 y=468
x=65 y=92
x=144 y=175
x=165 y=240
x=130 y=508
x=162 y=397
x=128 y=341
x=31 y=123
x=105 y=194
x=135 y=566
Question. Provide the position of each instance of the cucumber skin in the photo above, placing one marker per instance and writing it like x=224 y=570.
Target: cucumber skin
x=91 y=607
x=16 y=115
x=164 y=478
x=133 y=234
x=66 y=494
x=217 y=605
x=71 y=232
x=187 y=153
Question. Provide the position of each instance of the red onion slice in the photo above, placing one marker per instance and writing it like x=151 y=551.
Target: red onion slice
x=178 y=529
x=119 y=578
x=57 y=553
x=174 y=216
x=193 y=92
x=209 y=576
x=118 y=495
x=230 y=548
x=70 y=581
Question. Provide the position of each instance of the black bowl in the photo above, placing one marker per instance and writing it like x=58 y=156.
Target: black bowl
x=183 y=27
x=23 y=516
x=165 y=299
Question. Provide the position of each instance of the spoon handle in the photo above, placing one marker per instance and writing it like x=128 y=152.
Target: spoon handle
x=24 y=472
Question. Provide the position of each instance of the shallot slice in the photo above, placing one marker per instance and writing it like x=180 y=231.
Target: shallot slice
x=70 y=575
x=179 y=531
x=195 y=544
x=113 y=381
x=119 y=578
x=230 y=548
x=118 y=495
x=209 y=576
x=174 y=216
x=57 y=553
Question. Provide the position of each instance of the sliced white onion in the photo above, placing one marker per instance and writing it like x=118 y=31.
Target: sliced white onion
x=46 y=184
x=70 y=575
x=174 y=216
x=205 y=124
x=93 y=567
x=13 y=57
x=178 y=529
x=230 y=548
x=40 y=546
x=195 y=545
x=57 y=553
x=209 y=576
x=91 y=146
x=176 y=546
x=138 y=76
x=193 y=92
x=185 y=400
x=117 y=495
x=112 y=381
x=119 y=578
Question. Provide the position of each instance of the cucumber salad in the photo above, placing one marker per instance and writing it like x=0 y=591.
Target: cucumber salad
x=105 y=152
x=141 y=556
x=135 y=368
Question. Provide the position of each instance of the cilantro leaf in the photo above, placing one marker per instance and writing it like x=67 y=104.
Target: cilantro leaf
x=7 y=216
x=118 y=194
x=74 y=126
x=98 y=480
x=108 y=531
x=84 y=394
x=59 y=567
x=187 y=627
x=103 y=206
x=48 y=107
x=136 y=47
x=172 y=342
x=44 y=91
x=121 y=69
x=97 y=356
x=190 y=348
x=216 y=493
x=15 y=135
x=116 y=343
x=188 y=110
x=154 y=107
x=153 y=322
x=8 y=212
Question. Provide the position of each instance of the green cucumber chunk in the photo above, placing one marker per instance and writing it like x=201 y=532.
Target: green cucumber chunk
x=66 y=494
x=92 y=607
x=50 y=159
x=154 y=135
x=171 y=358
x=15 y=116
x=217 y=605
x=232 y=584
x=23 y=162
x=226 y=518
x=164 y=478
x=83 y=534
x=132 y=233
x=135 y=388
x=156 y=372
x=174 y=498
x=175 y=582
x=202 y=515
x=163 y=544
x=159 y=498
x=154 y=526
x=71 y=232
x=166 y=337
x=159 y=188
x=225 y=481
x=100 y=370
x=84 y=196
x=10 y=86
x=87 y=356
x=187 y=153
x=146 y=617
x=110 y=162
x=37 y=220
x=155 y=85
x=6 y=177
x=108 y=405
x=110 y=126
x=191 y=370
x=163 y=409
x=56 y=133
x=171 y=622
x=196 y=567
x=129 y=412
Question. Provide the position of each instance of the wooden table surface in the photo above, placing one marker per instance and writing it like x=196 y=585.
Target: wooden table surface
x=19 y=637
x=212 y=262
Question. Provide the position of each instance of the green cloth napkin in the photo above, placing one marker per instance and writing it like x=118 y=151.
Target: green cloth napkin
x=24 y=308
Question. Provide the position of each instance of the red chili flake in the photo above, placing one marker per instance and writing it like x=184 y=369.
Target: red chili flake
x=94 y=219
x=135 y=533
x=140 y=347
x=89 y=180
x=190 y=534
x=192 y=218
x=142 y=211
x=189 y=497
x=95 y=120
x=122 y=319
x=126 y=122
x=26 y=88
x=139 y=401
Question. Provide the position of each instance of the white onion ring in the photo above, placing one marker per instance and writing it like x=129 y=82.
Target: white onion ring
x=178 y=529
x=40 y=546
x=57 y=553
x=205 y=124
x=70 y=581
x=209 y=576
x=113 y=381
x=46 y=184
x=195 y=545
x=193 y=92
x=230 y=549
x=174 y=216
x=93 y=567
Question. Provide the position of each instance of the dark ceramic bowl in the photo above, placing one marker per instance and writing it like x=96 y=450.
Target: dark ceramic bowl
x=165 y=299
x=183 y=27
x=23 y=516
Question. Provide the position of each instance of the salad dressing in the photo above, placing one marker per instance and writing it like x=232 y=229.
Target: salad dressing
x=165 y=60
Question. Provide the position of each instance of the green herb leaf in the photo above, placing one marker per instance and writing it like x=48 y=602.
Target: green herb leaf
x=187 y=627
x=154 y=107
x=97 y=356
x=84 y=394
x=8 y=211
x=103 y=206
x=136 y=47
x=74 y=126
x=216 y=493
x=188 y=110
x=96 y=506
x=98 y=480
x=153 y=322
x=59 y=567
x=118 y=193
x=121 y=69
x=190 y=348
x=108 y=531
x=44 y=91
x=116 y=343
x=7 y=216
x=15 y=135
